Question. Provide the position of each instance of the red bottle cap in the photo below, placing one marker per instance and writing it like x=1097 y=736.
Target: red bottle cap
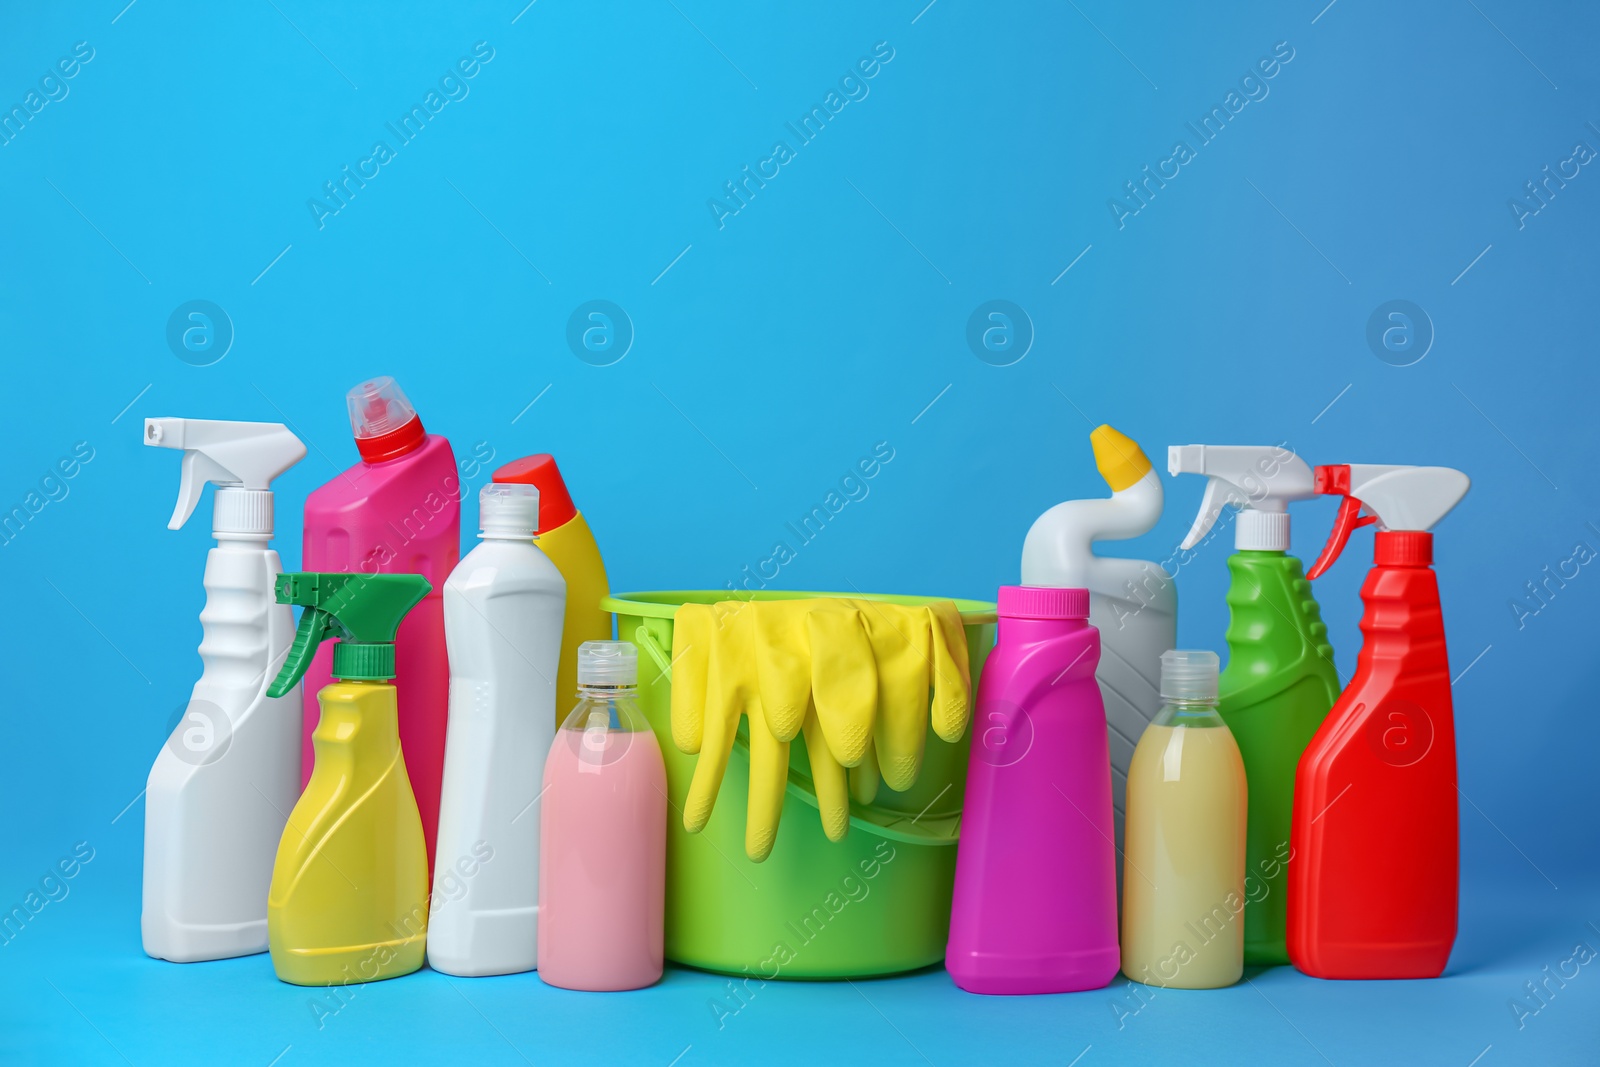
x=1039 y=602
x=555 y=503
x=1403 y=548
x=393 y=444
x=385 y=424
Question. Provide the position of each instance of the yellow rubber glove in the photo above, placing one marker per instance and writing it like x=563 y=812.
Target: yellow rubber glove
x=852 y=675
x=866 y=666
x=915 y=649
x=715 y=681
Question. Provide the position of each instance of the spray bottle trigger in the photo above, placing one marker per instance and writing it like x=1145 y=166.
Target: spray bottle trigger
x=1344 y=524
x=1219 y=494
x=198 y=469
x=316 y=625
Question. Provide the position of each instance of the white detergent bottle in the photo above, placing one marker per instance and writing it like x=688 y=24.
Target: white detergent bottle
x=222 y=786
x=1133 y=603
x=503 y=609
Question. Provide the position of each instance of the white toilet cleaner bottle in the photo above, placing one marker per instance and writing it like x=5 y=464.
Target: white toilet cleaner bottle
x=223 y=784
x=503 y=609
x=1133 y=603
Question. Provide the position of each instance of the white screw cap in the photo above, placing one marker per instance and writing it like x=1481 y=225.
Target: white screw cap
x=508 y=509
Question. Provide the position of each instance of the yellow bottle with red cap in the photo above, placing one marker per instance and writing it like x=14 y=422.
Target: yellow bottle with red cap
x=564 y=537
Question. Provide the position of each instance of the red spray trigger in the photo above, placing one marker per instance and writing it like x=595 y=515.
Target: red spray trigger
x=1335 y=481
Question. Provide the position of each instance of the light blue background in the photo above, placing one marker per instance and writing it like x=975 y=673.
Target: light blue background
x=829 y=314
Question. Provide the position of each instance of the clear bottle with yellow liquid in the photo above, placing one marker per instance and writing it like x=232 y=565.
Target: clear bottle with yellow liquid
x=349 y=896
x=1183 y=889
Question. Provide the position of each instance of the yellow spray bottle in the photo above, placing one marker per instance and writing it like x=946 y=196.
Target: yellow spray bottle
x=349 y=896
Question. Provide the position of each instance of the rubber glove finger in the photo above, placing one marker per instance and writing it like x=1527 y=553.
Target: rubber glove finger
x=783 y=655
x=844 y=681
x=952 y=678
x=828 y=780
x=900 y=639
x=769 y=774
x=864 y=778
x=692 y=627
x=724 y=703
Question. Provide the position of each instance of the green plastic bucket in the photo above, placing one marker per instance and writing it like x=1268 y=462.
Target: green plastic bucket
x=877 y=902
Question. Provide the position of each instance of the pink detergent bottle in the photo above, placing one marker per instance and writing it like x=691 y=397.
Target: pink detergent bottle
x=603 y=834
x=398 y=511
x=1035 y=908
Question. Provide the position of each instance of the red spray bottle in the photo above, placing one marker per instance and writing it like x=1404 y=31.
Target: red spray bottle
x=1374 y=866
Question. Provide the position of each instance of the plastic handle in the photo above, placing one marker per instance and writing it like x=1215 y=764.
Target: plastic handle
x=316 y=625
x=1219 y=494
x=198 y=469
x=1344 y=525
x=647 y=641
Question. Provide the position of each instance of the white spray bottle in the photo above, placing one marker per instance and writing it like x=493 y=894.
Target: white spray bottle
x=222 y=786
x=1133 y=603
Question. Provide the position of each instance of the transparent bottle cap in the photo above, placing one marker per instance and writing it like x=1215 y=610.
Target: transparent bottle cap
x=508 y=509
x=377 y=407
x=608 y=663
x=1189 y=675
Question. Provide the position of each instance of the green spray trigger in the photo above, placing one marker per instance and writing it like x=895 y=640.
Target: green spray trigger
x=362 y=610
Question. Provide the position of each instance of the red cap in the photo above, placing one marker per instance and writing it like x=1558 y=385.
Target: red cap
x=396 y=442
x=555 y=503
x=1403 y=548
x=383 y=421
x=1039 y=602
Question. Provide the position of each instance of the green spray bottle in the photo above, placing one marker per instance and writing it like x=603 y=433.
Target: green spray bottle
x=1280 y=681
x=349 y=898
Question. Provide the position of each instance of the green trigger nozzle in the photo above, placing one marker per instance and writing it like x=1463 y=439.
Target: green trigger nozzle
x=363 y=611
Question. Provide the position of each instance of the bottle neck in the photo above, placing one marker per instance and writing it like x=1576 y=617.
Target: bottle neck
x=518 y=536
x=242 y=542
x=1179 y=712
x=1022 y=629
x=608 y=707
x=607 y=692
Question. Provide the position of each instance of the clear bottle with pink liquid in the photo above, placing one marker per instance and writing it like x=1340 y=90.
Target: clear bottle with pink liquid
x=398 y=511
x=603 y=834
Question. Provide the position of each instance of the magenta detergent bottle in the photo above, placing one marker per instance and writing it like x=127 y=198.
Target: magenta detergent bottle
x=1035 y=908
x=398 y=511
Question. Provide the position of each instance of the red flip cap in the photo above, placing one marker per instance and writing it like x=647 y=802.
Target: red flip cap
x=396 y=442
x=385 y=424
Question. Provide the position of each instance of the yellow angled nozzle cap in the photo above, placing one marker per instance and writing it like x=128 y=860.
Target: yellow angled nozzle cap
x=1119 y=457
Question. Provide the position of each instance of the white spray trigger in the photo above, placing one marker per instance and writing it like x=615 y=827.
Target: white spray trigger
x=1259 y=478
x=242 y=455
x=198 y=469
x=1219 y=494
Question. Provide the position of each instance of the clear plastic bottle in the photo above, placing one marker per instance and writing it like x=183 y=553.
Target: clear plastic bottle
x=1183 y=887
x=603 y=834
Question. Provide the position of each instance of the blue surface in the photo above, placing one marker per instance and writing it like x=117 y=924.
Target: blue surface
x=764 y=356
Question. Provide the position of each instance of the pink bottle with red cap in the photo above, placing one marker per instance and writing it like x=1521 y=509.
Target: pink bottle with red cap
x=1035 y=908
x=398 y=511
